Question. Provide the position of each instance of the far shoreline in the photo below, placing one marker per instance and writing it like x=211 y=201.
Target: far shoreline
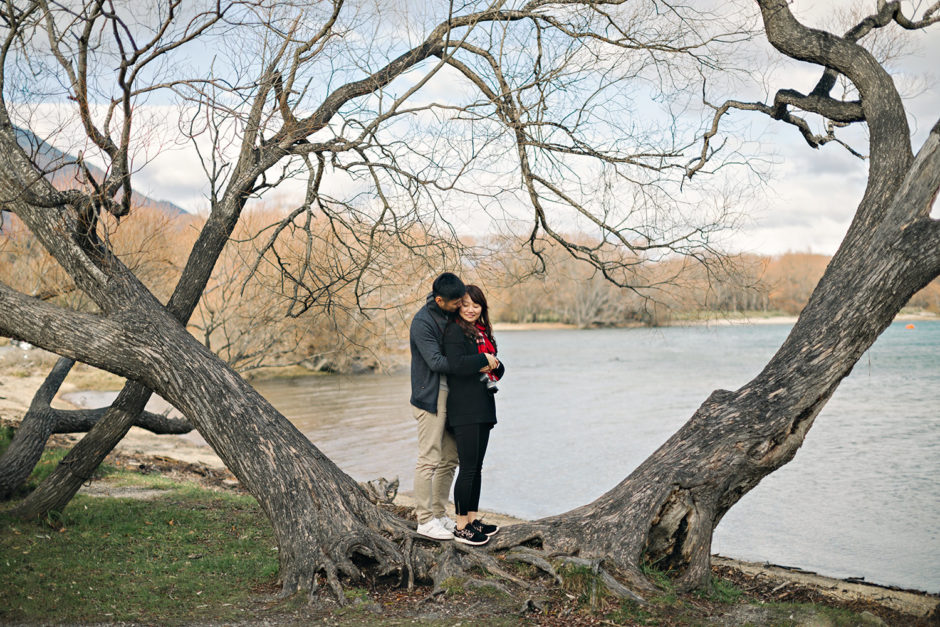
x=714 y=321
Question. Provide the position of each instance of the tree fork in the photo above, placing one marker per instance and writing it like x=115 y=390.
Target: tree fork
x=80 y=463
x=42 y=420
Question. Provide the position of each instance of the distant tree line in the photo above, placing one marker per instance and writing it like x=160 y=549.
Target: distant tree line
x=741 y=285
x=354 y=318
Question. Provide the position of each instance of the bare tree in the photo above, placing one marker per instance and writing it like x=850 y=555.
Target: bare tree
x=665 y=511
x=326 y=97
x=283 y=124
x=42 y=420
x=35 y=274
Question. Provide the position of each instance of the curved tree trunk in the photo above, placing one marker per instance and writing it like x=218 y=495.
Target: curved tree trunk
x=321 y=517
x=80 y=463
x=106 y=427
x=663 y=512
x=666 y=510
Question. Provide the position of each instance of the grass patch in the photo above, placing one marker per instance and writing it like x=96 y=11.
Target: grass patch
x=787 y=614
x=189 y=556
x=487 y=591
x=583 y=582
x=6 y=436
x=631 y=613
x=453 y=586
x=721 y=591
x=523 y=569
x=121 y=479
x=356 y=594
x=663 y=581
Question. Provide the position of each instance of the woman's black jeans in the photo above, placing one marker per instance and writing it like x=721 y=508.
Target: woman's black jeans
x=471 y=447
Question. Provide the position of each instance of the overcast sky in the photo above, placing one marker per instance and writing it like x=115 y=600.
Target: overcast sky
x=813 y=194
x=806 y=204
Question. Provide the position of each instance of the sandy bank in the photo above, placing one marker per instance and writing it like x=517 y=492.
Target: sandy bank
x=16 y=393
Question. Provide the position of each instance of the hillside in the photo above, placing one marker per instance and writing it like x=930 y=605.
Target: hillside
x=62 y=170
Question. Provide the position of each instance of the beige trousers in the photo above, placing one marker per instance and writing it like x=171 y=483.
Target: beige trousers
x=437 y=459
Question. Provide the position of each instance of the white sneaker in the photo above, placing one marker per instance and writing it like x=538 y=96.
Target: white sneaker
x=448 y=523
x=434 y=529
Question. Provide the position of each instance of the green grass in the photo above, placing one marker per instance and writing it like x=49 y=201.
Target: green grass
x=189 y=555
x=787 y=614
x=631 y=613
x=662 y=580
x=453 y=586
x=6 y=435
x=721 y=592
x=582 y=582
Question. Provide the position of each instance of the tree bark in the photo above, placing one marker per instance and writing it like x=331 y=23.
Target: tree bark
x=30 y=438
x=80 y=463
x=321 y=517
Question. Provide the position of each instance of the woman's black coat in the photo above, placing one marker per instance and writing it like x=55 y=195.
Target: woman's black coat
x=468 y=400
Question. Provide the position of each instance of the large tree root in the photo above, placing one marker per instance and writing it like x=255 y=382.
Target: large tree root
x=568 y=539
x=380 y=550
x=392 y=554
x=540 y=560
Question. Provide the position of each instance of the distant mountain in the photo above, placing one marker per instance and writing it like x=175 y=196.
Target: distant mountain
x=63 y=171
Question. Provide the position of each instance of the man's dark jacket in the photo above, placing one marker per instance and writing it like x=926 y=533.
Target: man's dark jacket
x=427 y=355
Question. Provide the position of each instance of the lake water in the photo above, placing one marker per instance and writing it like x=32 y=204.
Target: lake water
x=580 y=409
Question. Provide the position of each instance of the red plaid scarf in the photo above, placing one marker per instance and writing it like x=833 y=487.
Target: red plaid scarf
x=485 y=344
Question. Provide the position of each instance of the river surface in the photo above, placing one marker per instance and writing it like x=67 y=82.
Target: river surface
x=580 y=409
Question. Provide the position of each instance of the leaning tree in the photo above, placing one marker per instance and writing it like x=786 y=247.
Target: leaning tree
x=666 y=510
x=502 y=107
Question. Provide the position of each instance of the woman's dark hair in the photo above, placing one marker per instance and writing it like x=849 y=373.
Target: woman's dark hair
x=476 y=295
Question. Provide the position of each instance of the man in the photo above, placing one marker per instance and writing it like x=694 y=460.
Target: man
x=437 y=451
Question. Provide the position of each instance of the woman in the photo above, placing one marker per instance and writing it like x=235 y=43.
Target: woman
x=471 y=408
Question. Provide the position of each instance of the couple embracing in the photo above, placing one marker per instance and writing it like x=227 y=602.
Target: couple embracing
x=454 y=370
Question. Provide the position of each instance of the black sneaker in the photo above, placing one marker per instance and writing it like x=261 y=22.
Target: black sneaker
x=469 y=535
x=482 y=527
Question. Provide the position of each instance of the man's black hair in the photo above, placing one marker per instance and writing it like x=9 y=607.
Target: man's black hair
x=449 y=286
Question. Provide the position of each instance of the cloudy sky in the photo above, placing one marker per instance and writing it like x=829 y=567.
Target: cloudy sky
x=805 y=205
